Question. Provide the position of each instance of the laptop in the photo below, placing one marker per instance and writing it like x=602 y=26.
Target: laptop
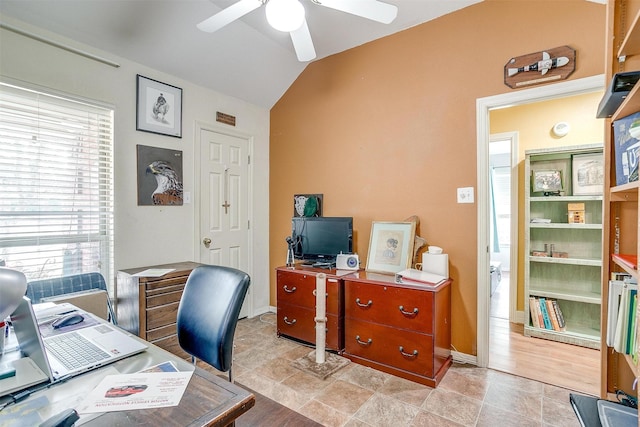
x=66 y=354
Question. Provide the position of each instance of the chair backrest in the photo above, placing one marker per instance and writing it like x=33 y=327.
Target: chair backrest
x=208 y=313
x=44 y=288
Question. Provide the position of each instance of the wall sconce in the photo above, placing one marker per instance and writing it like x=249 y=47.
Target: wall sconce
x=561 y=129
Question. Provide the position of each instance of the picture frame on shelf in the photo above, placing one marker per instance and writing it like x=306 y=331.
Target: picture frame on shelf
x=158 y=107
x=390 y=246
x=588 y=174
x=547 y=181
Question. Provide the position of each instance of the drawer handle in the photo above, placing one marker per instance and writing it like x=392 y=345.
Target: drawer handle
x=288 y=322
x=368 y=342
x=408 y=313
x=368 y=304
x=289 y=291
x=415 y=352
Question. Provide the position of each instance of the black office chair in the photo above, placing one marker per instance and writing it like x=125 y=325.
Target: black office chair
x=208 y=314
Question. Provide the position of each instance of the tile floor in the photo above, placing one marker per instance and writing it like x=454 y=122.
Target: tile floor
x=357 y=396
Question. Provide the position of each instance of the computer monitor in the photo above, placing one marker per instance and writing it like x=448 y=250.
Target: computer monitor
x=321 y=239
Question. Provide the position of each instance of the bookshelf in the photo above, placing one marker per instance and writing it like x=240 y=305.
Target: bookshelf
x=618 y=371
x=563 y=247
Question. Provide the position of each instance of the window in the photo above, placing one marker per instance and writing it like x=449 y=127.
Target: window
x=56 y=184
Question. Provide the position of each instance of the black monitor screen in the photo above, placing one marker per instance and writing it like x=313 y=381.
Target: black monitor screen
x=318 y=238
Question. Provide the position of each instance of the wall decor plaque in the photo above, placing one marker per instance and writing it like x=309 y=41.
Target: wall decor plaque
x=536 y=68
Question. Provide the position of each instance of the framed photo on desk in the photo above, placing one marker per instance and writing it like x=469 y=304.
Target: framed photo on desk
x=391 y=246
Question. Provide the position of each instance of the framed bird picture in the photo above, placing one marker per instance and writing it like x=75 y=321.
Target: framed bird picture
x=159 y=176
x=159 y=107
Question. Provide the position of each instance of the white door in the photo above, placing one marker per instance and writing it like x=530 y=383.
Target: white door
x=224 y=202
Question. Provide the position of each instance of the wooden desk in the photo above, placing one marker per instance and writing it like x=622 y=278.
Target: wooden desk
x=208 y=400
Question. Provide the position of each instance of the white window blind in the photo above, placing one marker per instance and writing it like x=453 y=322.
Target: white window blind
x=56 y=177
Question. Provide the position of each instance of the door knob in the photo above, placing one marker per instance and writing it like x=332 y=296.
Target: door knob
x=207 y=242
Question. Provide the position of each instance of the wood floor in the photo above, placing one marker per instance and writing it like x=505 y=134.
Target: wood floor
x=564 y=365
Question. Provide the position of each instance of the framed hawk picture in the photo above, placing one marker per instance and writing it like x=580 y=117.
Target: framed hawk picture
x=159 y=176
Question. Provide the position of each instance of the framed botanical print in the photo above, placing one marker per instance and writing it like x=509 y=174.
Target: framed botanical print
x=391 y=246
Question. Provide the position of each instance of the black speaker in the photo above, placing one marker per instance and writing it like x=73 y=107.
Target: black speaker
x=620 y=86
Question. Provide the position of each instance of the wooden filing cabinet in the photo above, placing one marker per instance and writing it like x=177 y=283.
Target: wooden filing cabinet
x=401 y=329
x=148 y=306
x=297 y=305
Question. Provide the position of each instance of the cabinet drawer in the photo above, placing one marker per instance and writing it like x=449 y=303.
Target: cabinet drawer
x=383 y=344
x=164 y=298
x=298 y=289
x=162 y=332
x=162 y=315
x=151 y=285
x=298 y=322
x=172 y=346
x=389 y=305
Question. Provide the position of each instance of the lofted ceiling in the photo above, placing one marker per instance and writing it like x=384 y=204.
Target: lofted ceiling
x=247 y=59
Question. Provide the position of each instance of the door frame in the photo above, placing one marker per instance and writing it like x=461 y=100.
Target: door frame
x=199 y=127
x=483 y=107
x=513 y=208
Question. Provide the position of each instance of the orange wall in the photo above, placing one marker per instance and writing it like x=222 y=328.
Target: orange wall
x=533 y=122
x=388 y=129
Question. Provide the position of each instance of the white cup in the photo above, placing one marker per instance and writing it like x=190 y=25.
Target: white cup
x=434 y=263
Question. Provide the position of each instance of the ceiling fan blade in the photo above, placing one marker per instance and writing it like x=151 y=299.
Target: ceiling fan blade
x=370 y=9
x=228 y=15
x=302 y=43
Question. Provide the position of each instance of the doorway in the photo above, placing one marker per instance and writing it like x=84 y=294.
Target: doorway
x=503 y=235
x=483 y=108
x=223 y=202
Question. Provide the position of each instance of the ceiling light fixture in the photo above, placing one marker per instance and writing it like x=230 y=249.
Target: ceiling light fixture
x=285 y=15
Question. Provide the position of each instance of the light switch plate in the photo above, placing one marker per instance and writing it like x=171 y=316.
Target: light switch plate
x=465 y=195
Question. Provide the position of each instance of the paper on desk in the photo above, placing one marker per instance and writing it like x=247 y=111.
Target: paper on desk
x=141 y=390
x=154 y=272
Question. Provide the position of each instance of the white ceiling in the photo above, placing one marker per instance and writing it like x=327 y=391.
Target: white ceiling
x=246 y=59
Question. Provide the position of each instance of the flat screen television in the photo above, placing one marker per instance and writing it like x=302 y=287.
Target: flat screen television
x=321 y=239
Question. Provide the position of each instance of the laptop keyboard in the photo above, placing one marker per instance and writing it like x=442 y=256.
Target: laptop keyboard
x=74 y=351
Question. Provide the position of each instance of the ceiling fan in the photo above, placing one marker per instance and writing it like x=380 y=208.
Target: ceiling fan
x=289 y=16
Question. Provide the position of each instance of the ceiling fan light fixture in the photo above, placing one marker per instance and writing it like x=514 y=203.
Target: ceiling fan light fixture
x=285 y=15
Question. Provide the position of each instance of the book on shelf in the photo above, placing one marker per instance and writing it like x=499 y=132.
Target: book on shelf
x=624 y=323
x=539 y=312
x=632 y=322
x=628 y=260
x=559 y=316
x=613 y=306
x=545 y=313
x=552 y=315
x=535 y=321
